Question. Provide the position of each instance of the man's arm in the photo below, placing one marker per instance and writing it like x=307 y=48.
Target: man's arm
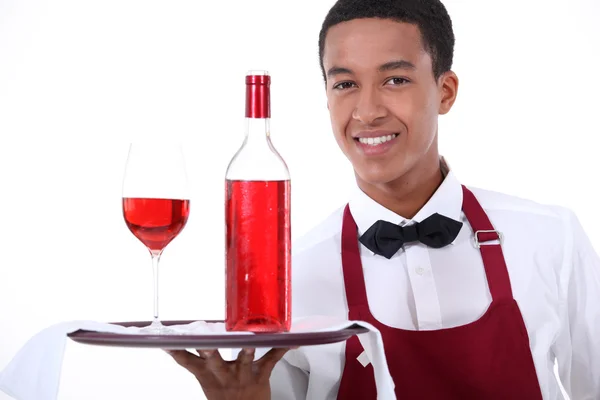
x=578 y=346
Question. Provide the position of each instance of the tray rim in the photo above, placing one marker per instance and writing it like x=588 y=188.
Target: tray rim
x=223 y=341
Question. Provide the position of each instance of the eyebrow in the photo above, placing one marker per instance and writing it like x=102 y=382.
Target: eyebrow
x=333 y=71
x=399 y=64
x=388 y=66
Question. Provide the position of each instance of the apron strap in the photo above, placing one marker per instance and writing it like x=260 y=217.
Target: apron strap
x=356 y=292
x=492 y=255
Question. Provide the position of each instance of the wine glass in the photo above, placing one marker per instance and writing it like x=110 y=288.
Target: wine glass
x=156 y=204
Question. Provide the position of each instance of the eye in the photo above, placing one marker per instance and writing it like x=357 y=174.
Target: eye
x=344 y=85
x=397 y=81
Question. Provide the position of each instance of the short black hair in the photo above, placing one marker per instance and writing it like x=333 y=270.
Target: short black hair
x=430 y=16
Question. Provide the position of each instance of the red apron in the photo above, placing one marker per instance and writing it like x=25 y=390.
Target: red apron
x=488 y=359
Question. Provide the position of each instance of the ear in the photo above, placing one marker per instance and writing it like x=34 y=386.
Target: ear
x=448 y=87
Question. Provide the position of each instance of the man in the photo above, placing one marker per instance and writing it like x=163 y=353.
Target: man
x=476 y=293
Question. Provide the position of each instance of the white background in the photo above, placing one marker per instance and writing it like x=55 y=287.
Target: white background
x=79 y=79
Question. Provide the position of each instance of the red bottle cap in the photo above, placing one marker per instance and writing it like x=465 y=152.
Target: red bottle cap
x=258 y=94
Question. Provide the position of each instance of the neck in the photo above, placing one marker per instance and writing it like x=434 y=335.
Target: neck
x=409 y=193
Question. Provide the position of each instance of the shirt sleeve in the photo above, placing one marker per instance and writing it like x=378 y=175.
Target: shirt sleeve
x=577 y=349
x=288 y=382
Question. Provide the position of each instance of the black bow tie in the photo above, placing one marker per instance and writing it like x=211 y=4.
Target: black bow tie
x=385 y=238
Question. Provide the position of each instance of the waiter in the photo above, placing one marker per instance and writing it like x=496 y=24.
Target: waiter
x=476 y=294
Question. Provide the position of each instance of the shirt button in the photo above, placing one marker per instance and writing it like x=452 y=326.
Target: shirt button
x=420 y=270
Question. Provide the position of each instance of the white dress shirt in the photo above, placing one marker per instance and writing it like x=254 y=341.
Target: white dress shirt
x=553 y=268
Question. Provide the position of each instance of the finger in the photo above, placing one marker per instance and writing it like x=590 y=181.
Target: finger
x=211 y=357
x=187 y=360
x=245 y=357
x=206 y=353
x=214 y=363
x=268 y=361
x=243 y=365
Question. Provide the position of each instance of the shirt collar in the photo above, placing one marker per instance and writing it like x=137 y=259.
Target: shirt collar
x=447 y=200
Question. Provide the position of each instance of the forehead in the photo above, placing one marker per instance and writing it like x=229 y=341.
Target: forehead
x=371 y=42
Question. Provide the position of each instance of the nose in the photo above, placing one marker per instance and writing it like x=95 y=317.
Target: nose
x=369 y=107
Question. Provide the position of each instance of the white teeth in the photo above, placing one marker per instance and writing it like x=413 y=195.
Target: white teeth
x=377 y=140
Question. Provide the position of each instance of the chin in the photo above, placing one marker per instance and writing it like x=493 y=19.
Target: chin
x=378 y=175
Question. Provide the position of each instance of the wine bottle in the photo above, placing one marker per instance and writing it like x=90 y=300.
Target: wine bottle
x=257 y=213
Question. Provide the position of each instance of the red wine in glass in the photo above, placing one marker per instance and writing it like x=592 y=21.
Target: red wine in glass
x=156 y=204
x=155 y=222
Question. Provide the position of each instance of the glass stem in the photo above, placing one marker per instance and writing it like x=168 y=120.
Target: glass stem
x=155 y=261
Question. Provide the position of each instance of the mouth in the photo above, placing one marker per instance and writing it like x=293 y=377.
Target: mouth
x=376 y=141
x=375 y=144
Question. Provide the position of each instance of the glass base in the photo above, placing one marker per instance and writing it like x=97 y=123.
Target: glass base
x=156 y=328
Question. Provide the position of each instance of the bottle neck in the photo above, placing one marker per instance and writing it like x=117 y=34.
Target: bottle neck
x=258 y=109
x=258 y=131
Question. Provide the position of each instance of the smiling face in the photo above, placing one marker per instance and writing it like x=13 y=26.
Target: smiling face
x=383 y=98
